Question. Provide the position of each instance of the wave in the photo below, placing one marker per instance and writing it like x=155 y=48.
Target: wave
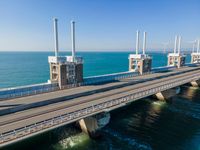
x=130 y=141
x=186 y=108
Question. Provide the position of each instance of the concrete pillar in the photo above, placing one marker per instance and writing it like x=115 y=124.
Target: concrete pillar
x=176 y=60
x=141 y=65
x=195 y=58
x=92 y=124
x=166 y=95
x=89 y=125
x=54 y=75
x=79 y=73
x=145 y=66
x=62 y=78
x=195 y=83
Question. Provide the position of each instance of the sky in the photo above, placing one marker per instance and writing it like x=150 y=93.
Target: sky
x=27 y=25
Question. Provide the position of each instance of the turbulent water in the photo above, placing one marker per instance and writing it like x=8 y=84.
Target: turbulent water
x=147 y=124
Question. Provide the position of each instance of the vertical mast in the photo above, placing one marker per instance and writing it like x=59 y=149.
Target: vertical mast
x=175 y=44
x=144 y=42
x=137 y=41
x=179 y=44
x=198 y=44
x=55 y=20
x=73 y=39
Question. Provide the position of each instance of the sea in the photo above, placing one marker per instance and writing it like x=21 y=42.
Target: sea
x=147 y=124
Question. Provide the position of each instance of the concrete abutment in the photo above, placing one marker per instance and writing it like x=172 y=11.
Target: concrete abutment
x=90 y=125
x=195 y=83
x=167 y=94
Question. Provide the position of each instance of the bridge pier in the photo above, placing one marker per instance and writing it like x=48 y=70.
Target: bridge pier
x=195 y=83
x=167 y=94
x=92 y=124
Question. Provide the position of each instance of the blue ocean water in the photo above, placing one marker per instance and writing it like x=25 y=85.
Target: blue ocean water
x=24 y=68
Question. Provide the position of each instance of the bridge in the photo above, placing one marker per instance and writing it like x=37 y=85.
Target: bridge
x=68 y=97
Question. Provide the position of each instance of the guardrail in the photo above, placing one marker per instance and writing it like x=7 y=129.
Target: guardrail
x=64 y=119
x=9 y=93
x=119 y=76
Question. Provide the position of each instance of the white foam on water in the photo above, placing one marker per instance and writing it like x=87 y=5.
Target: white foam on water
x=73 y=140
x=159 y=103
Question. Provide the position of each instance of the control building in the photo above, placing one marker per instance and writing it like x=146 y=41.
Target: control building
x=140 y=62
x=195 y=56
x=65 y=70
x=176 y=59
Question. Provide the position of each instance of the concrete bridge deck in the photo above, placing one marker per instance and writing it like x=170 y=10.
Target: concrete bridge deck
x=17 y=104
x=100 y=98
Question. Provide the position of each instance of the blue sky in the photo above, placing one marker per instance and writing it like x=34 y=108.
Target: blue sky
x=26 y=25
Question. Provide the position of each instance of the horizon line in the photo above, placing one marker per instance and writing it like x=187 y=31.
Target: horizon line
x=125 y=49
x=109 y=50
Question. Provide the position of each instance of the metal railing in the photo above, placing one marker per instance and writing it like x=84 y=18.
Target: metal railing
x=21 y=92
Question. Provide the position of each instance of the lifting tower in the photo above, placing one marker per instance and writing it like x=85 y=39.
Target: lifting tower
x=140 y=63
x=176 y=59
x=65 y=70
x=195 y=56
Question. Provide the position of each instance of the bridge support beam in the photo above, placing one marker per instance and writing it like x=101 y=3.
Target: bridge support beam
x=92 y=124
x=195 y=83
x=166 y=95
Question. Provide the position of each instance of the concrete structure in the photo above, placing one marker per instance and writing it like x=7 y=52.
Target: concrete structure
x=21 y=91
x=25 y=115
x=195 y=83
x=140 y=62
x=167 y=94
x=92 y=124
x=176 y=59
x=65 y=70
x=47 y=111
x=195 y=56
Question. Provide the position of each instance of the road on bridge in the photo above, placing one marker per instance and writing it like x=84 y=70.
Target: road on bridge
x=72 y=100
x=130 y=85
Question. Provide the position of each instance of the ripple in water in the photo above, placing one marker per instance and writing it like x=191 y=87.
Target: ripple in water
x=127 y=141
